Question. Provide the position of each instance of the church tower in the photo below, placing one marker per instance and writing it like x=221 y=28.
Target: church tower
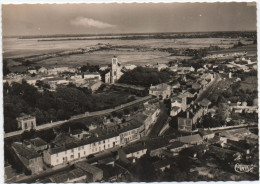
x=114 y=71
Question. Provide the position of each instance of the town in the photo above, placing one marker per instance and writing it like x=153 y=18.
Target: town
x=158 y=106
x=161 y=124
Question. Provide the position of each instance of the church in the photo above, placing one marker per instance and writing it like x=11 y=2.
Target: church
x=115 y=72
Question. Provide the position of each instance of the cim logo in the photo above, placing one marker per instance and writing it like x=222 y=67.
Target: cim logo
x=240 y=168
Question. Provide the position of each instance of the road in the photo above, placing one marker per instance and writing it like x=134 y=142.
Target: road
x=44 y=175
x=210 y=88
x=83 y=116
x=163 y=116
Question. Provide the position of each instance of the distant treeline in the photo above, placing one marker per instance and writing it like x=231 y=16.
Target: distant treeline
x=232 y=34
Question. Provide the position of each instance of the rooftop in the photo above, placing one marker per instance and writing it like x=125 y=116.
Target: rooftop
x=190 y=138
x=24 y=151
x=67 y=176
x=38 y=142
x=134 y=148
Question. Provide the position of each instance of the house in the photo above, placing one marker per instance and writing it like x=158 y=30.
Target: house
x=135 y=150
x=191 y=139
x=79 y=134
x=204 y=103
x=161 y=91
x=196 y=86
x=131 y=132
x=175 y=110
x=196 y=150
x=190 y=117
x=111 y=173
x=176 y=147
x=103 y=67
x=175 y=84
x=37 y=144
x=206 y=134
x=156 y=146
x=26 y=122
x=91 y=75
x=32 y=71
x=43 y=70
x=115 y=73
x=93 y=173
x=73 y=176
x=149 y=116
x=75 y=149
x=161 y=165
x=130 y=67
x=79 y=149
x=28 y=156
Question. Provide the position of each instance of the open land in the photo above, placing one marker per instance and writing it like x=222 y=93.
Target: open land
x=128 y=51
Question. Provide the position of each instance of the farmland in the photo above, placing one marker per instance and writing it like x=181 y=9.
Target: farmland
x=132 y=51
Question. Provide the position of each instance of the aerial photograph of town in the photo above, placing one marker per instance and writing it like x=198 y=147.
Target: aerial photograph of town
x=136 y=92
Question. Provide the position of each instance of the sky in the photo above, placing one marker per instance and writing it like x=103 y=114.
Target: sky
x=49 y=19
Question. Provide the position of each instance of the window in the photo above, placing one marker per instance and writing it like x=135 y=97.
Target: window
x=57 y=160
x=108 y=140
x=99 y=142
x=82 y=147
x=65 y=152
x=104 y=141
x=108 y=145
x=84 y=152
x=78 y=148
x=57 y=154
x=72 y=151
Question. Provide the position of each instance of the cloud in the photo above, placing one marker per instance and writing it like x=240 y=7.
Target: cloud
x=87 y=22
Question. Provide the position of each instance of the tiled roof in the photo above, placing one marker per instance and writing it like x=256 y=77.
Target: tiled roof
x=87 y=167
x=24 y=151
x=38 y=142
x=190 y=138
x=175 y=144
x=66 y=176
x=134 y=148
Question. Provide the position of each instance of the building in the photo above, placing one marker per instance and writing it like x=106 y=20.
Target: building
x=73 y=176
x=26 y=122
x=161 y=165
x=91 y=75
x=37 y=144
x=93 y=173
x=135 y=150
x=76 y=149
x=191 y=139
x=29 y=157
x=161 y=91
x=190 y=117
x=115 y=73
x=43 y=70
x=206 y=134
x=79 y=149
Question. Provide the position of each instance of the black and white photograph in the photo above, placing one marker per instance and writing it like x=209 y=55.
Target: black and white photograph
x=129 y=92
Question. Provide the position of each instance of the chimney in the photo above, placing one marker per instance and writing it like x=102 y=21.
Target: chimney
x=188 y=114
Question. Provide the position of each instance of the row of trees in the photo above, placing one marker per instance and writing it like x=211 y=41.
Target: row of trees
x=49 y=106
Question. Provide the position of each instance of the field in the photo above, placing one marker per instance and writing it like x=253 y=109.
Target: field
x=250 y=49
x=104 y=57
x=128 y=51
